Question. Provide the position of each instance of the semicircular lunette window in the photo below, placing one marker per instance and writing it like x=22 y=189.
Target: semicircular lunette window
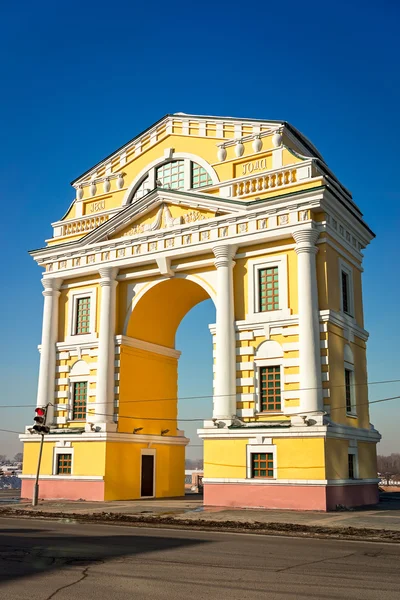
x=143 y=188
x=171 y=175
x=200 y=176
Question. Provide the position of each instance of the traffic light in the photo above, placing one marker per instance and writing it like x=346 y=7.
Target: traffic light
x=40 y=420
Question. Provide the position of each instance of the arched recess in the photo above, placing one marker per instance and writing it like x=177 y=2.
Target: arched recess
x=162 y=160
x=79 y=369
x=148 y=384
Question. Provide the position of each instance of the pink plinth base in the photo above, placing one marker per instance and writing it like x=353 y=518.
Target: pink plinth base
x=292 y=497
x=52 y=489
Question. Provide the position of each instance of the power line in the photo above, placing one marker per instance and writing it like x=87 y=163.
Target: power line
x=292 y=414
x=177 y=398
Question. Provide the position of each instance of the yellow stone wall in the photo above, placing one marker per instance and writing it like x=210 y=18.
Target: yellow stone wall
x=227 y=458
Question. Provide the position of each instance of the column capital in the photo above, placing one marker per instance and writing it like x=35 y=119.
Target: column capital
x=305 y=239
x=51 y=286
x=224 y=254
x=108 y=275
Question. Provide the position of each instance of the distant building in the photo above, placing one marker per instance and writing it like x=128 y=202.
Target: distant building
x=194 y=480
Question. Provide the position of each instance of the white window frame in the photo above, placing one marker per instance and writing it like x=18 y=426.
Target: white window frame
x=257 y=449
x=72 y=380
x=267 y=362
x=354 y=451
x=73 y=298
x=148 y=452
x=345 y=268
x=63 y=450
x=350 y=367
x=254 y=314
x=187 y=167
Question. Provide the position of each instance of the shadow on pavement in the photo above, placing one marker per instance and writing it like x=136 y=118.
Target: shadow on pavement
x=27 y=552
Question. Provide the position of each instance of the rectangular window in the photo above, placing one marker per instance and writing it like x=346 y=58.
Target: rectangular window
x=351 y=466
x=82 y=315
x=79 y=399
x=268 y=285
x=346 y=292
x=270 y=387
x=262 y=465
x=348 y=375
x=64 y=464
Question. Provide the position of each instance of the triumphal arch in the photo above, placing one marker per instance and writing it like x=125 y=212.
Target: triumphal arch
x=245 y=212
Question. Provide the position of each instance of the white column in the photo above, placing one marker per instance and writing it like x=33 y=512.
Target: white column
x=105 y=361
x=47 y=368
x=310 y=355
x=225 y=373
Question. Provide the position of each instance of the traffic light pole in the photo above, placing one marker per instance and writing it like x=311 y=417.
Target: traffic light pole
x=35 y=496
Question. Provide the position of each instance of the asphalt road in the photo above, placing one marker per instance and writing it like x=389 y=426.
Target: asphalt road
x=41 y=560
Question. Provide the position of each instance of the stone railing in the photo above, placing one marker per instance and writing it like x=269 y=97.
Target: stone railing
x=83 y=225
x=264 y=182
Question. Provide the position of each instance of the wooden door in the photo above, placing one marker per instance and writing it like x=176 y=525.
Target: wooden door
x=147 y=483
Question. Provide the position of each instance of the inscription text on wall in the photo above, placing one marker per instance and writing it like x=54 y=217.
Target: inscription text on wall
x=96 y=206
x=251 y=166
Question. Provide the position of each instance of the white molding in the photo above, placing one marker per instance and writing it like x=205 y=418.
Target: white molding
x=264 y=448
x=245 y=351
x=111 y=437
x=62 y=368
x=65 y=477
x=334 y=430
x=344 y=267
x=343 y=321
x=73 y=297
x=147 y=346
x=62 y=450
x=245 y=397
x=254 y=266
x=294 y=482
x=245 y=381
x=245 y=412
x=245 y=366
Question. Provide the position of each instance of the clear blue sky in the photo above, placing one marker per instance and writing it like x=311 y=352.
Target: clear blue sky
x=81 y=78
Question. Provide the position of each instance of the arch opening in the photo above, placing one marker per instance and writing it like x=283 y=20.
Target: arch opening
x=148 y=387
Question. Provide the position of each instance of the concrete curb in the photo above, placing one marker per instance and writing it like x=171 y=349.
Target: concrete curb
x=256 y=527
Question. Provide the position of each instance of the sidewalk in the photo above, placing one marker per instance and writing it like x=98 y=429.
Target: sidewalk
x=382 y=521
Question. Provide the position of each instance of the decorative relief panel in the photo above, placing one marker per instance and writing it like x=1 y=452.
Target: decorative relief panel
x=223 y=232
x=283 y=219
x=261 y=223
x=193 y=216
x=120 y=252
x=186 y=239
x=204 y=235
x=242 y=228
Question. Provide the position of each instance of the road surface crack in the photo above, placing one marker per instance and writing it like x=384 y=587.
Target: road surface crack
x=314 y=562
x=83 y=576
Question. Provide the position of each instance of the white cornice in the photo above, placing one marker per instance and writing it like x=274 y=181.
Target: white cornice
x=110 y=437
x=147 y=346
